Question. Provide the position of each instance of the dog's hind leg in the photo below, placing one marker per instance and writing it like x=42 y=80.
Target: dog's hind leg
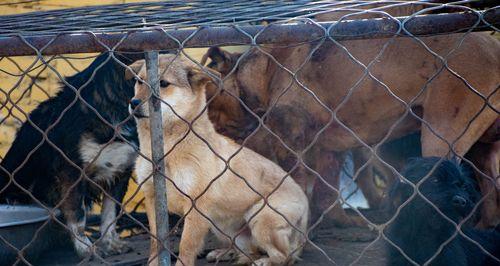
x=227 y=252
x=245 y=250
x=274 y=241
x=248 y=251
x=486 y=157
x=460 y=122
x=272 y=233
x=111 y=243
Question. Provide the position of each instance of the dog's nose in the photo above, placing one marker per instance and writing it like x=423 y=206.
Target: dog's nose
x=134 y=103
x=459 y=201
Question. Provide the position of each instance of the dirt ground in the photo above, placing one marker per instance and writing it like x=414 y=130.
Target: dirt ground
x=332 y=246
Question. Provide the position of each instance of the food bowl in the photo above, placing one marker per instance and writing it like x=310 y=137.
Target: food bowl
x=21 y=226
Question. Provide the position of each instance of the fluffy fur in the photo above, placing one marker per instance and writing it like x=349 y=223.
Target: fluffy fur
x=419 y=229
x=35 y=169
x=484 y=154
x=228 y=198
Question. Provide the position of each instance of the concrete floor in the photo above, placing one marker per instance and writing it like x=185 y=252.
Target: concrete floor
x=332 y=246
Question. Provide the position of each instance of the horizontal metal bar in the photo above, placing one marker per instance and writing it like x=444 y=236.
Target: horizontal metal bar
x=157 y=39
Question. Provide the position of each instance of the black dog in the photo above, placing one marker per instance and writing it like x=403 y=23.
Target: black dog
x=85 y=143
x=419 y=230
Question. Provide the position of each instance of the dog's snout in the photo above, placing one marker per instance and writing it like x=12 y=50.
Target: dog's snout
x=134 y=103
x=459 y=201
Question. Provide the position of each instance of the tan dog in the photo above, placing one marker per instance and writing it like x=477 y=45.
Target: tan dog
x=228 y=204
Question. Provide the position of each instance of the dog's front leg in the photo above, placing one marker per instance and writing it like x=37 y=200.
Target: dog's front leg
x=150 y=211
x=111 y=243
x=193 y=237
x=73 y=209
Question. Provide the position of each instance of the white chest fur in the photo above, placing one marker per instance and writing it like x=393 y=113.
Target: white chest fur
x=106 y=160
x=184 y=181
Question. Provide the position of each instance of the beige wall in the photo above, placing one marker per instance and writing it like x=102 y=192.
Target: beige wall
x=30 y=6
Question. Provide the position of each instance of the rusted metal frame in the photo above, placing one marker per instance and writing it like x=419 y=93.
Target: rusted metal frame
x=152 y=39
x=160 y=186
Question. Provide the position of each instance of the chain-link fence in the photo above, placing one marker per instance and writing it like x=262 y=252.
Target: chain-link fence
x=113 y=112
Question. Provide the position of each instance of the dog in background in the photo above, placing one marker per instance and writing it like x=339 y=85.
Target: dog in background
x=369 y=111
x=376 y=178
x=419 y=229
x=86 y=144
x=229 y=202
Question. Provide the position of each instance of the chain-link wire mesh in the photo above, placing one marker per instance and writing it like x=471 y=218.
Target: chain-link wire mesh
x=311 y=86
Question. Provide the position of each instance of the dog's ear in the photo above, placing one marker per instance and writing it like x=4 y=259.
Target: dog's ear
x=198 y=78
x=133 y=69
x=222 y=61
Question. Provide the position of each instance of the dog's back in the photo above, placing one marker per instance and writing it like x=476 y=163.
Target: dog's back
x=30 y=158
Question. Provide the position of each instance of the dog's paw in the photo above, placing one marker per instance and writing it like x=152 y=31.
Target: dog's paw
x=264 y=261
x=222 y=254
x=83 y=246
x=153 y=261
x=114 y=246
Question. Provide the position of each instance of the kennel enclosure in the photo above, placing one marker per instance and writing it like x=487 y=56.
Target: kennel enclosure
x=173 y=26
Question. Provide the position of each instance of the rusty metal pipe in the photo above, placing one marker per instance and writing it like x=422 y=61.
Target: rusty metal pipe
x=157 y=153
x=151 y=39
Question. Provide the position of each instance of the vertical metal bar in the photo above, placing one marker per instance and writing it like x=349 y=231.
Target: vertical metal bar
x=159 y=183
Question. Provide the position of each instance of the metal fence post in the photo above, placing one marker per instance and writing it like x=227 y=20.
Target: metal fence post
x=159 y=183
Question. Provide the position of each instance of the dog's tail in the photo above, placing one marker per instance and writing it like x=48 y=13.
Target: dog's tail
x=15 y=170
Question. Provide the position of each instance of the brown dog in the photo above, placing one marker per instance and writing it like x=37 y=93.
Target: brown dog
x=485 y=155
x=229 y=202
x=330 y=80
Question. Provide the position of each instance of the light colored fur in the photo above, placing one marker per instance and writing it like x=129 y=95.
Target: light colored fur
x=106 y=159
x=232 y=202
x=104 y=162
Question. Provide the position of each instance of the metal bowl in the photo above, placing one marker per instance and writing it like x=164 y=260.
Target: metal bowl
x=18 y=228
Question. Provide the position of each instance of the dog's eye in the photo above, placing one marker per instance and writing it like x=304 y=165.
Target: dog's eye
x=435 y=180
x=138 y=81
x=164 y=83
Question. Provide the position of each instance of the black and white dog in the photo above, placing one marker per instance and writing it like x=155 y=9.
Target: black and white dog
x=90 y=147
